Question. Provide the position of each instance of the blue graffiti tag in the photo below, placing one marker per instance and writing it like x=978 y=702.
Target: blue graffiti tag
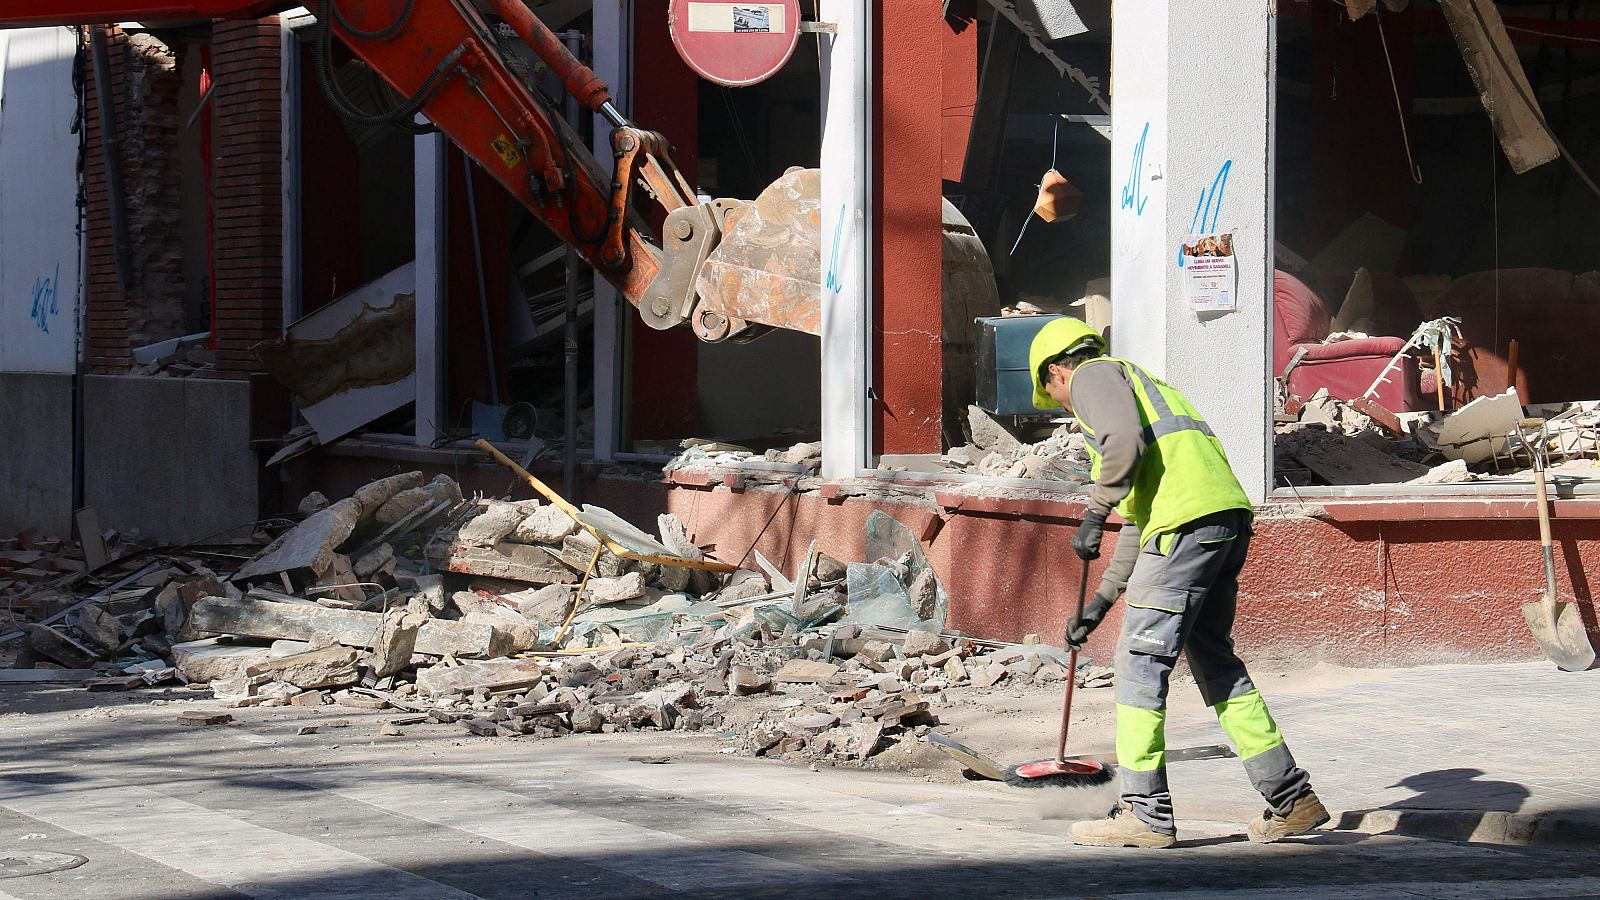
x=1208 y=209
x=832 y=281
x=46 y=305
x=1133 y=189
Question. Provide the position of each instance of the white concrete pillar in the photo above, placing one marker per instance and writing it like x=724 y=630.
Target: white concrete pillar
x=430 y=153
x=1191 y=145
x=846 y=236
x=613 y=27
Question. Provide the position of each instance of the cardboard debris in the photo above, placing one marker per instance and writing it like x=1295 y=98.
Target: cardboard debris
x=1479 y=431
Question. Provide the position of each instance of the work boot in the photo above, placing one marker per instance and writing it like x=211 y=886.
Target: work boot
x=1120 y=829
x=1306 y=813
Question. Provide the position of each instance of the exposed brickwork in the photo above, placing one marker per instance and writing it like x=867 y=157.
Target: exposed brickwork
x=247 y=191
x=146 y=84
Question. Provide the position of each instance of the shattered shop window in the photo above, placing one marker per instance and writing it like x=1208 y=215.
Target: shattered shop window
x=1436 y=280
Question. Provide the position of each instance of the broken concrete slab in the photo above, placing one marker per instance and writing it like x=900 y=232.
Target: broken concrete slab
x=545 y=525
x=743 y=681
x=441 y=490
x=57 y=647
x=212 y=659
x=396 y=641
x=309 y=546
x=1453 y=472
x=328 y=667
x=987 y=434
x=379 y=559
x=546 y=606
x=514 y=562
x=266 y=619
x=492 y=675
x=522 y=634
x=805 y=671
x=921 y=643
x=579 y=548
x=604 y=591
x=339 y=583
x=100 y=627
x=491 y=526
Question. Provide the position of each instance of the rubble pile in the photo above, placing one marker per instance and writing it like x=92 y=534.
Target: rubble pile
x=1336 y=442
x=517 y=619
x=30 y=567
x=996 y=453
x=702 y=454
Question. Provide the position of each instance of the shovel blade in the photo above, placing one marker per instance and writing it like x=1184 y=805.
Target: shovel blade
x=1559 y=631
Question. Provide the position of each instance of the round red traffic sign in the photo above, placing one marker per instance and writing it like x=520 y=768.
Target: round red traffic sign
x=734 y=42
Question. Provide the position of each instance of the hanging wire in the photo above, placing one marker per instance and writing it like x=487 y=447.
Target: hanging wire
x=1533 y=107
x=1055 y=147
x=1399 y=107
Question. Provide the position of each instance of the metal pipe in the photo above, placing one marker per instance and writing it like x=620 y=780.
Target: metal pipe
x=569 y=446
x=483 y=285
x=111 y=151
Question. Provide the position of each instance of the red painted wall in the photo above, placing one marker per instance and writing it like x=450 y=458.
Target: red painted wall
x=1385 y=593
x=665 y=99
x=960 y=85
x=908 y=160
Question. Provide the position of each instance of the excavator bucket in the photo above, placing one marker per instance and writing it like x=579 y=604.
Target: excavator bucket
x=766 y=269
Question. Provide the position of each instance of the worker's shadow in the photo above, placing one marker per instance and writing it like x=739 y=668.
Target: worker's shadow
x=1442 y=790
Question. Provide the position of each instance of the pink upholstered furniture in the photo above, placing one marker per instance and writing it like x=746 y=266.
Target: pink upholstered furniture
x=1553 y=315
x=1300 y=320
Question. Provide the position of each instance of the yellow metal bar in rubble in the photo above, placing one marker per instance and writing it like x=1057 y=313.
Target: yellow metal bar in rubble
x=561 y=503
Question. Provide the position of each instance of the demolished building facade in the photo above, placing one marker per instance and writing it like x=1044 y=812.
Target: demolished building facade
x=255 y=208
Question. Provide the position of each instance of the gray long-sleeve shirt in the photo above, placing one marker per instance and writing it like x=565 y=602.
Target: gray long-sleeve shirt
x=1104 y=402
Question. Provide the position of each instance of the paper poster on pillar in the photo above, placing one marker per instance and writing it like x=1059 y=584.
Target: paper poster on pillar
x=1210 y=273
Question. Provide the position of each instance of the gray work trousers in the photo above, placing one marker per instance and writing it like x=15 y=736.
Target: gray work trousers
x=1184 y=600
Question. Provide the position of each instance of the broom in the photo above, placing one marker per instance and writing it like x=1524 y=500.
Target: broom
x=1063 y=772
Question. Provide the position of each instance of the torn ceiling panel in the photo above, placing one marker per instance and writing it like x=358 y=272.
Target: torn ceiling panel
x=1026 y=16
x=352 y=360
x=1492 y=59
x=1053 y=20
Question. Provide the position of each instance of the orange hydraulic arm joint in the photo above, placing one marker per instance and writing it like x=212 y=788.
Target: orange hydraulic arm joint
x=443 y=55
x=446 y=59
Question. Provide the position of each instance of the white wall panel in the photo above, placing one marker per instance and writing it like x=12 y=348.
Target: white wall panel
x=38 y=212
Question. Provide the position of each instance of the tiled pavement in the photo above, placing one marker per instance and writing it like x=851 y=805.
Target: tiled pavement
x=1518 y=738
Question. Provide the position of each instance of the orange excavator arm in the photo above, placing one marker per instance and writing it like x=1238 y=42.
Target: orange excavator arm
x=445 y=58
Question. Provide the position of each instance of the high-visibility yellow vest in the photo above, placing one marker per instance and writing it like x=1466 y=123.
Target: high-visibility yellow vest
x=1184 y=473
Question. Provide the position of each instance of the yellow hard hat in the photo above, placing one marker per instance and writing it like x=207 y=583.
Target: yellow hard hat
x=1063 y=335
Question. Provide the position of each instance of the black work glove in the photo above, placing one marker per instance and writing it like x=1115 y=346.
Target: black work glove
x=1079 y=627
x=1086 y=542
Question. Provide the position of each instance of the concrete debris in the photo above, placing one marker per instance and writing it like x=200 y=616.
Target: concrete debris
x=1059 y=457
x=1324 y=440
x=989 y=435
x=491 y=525
x=546 y=525
x=408 y=595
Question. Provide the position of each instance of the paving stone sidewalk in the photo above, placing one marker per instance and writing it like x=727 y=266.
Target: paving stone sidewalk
x=1499 y=753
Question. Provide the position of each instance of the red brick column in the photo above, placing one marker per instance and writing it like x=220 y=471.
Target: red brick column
x=247 y=184
x=145 y=85
x=909 y=151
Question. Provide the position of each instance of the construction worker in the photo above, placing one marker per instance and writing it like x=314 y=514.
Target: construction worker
x=1178 y=559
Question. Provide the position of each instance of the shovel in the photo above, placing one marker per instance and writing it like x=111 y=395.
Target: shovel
x=1557 y=628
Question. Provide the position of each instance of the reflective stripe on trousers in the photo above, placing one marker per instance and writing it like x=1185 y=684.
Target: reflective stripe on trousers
x=1184 y=601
